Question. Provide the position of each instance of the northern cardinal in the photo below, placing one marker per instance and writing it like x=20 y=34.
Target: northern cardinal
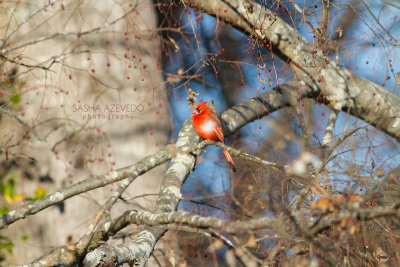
x=208 y=126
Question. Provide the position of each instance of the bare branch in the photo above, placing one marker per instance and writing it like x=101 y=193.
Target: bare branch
x=26 y=19
x=327 y=139
x=343 y=90
x=57 y=34
x=390 y=3
x=377 y=22
x=131 y=171
x=363 y=213
x=26 y=125
x=196 y=221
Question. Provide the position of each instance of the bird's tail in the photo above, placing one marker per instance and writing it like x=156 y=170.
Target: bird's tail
x=230 y=160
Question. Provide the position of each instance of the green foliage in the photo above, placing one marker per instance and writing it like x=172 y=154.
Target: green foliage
x=6 y=246
x=7 y=83
x=39 y=193
x=15 y=99
x=24 y=238
x=15 y=86
x=8 y=186
x=9 y=189
x=4 y=210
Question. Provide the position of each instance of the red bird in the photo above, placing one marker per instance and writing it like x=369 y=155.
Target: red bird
x=208 y=126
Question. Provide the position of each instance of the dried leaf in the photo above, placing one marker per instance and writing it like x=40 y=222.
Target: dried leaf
x=68 y=240
x=318 y=190
x=218 y=244
x=380 y=255
x=174 y=44
x=397 y=77
x=173 y=78
x=354 y=228
x=380 y=172
x=252 y=242
x=339 y=31
x=171 y=257
x=354 y=198
x=181 y=262
x=238 y=251
x=323 y=205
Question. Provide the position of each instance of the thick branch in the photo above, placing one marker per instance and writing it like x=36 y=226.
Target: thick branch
x=342 y=89
x=196 y=221
x=138 y=251
x=131 y=171
x=182 y=165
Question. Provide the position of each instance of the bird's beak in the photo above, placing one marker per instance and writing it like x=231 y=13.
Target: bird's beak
x=194 y=112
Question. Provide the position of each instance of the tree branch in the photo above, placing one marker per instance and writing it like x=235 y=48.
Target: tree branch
x=131 y=171
x=342 y=89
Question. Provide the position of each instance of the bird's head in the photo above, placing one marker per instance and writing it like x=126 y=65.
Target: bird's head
x=200 y=108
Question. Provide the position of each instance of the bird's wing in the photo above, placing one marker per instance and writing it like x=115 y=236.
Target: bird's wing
x=219 y=134
x=217 y=128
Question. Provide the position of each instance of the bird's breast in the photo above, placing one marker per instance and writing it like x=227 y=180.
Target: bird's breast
x=205 y=127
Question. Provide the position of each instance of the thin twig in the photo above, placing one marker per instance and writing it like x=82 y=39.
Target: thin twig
x=26 y=125
x=27 y=18
x=377 y=21
x=86 y=185
x=57 y=34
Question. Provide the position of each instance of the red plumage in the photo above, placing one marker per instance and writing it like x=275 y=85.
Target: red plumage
x=208 y=126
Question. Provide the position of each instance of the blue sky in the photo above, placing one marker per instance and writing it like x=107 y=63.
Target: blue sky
x=360 y=50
